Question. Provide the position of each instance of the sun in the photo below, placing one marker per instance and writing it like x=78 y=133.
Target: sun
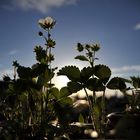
x=61 y=81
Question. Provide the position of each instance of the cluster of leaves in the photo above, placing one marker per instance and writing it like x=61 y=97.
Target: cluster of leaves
x=94 y=79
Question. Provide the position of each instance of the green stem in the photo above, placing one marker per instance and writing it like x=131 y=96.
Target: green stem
x=133 y=100
x=90 y=109
x=49 y=35
x=92 y=65
x=15 y=73
x=42 y=112
x=103 y=114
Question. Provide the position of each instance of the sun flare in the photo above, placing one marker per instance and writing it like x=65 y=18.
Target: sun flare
x=61 y=81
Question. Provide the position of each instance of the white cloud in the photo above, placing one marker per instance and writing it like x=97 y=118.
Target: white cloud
x=132 y=68
x=12 y=52
x=40 y=5
x=137 y=26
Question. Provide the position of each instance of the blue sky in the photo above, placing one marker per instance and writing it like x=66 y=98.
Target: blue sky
x=114 y=24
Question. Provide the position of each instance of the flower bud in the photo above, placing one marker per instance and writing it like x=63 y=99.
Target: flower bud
x=80 y=47
x=95 y=47
x=51 y=43
x=87 y=46
x=40 y=33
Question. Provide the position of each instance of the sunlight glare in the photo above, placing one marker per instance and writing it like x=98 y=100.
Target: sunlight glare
x=61 y=81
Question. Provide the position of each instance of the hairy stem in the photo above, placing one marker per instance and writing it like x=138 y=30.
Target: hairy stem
x=91 y=110
x=103 y=114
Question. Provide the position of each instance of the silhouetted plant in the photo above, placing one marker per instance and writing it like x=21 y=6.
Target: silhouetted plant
x=94 y=78
x=31 y=102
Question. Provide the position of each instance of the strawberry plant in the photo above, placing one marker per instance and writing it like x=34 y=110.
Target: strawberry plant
x=94 y=78
x=31 y=102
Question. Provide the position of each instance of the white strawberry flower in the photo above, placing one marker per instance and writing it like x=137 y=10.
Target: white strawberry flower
x=47 y=23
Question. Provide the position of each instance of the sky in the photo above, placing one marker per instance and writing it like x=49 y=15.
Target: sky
x=114 y=24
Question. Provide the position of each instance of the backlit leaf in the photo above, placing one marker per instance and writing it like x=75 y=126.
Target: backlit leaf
x=72 y=72
x=74 y=87
x=86 y=73
x=65 y=101
x=55 y=92
x=116 y=83
x=64 y=92
x=102 y=72
x=81 y=57
x=95 y=84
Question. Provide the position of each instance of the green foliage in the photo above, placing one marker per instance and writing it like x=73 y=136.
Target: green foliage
x=135 y=81
x=64 y=92
x=116 y=83
x=51 y=43
x=86 y=73
x=102 y=72
x=62 y=109
x=40 y=54
x=95 y=84
x=74 y=86
x=37 y=69
x=81 y=57
x=134 y=97
x=72 y=72
x=55 y=92
x=24 y=72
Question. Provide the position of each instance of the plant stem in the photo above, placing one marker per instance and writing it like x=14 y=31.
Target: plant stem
x=90 y=108
x=49 y=35
x=92 y=65
x=15 y=70
x=103 y=114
